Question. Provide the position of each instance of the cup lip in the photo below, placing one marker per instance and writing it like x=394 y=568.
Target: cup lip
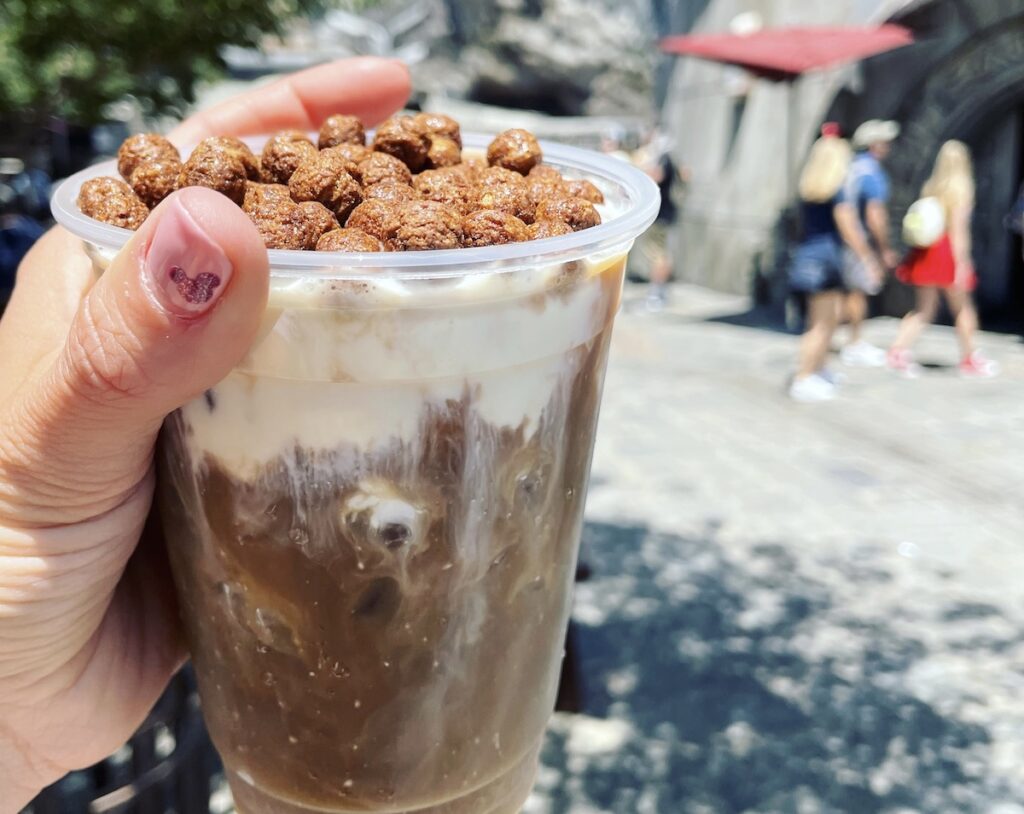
x=287 y=264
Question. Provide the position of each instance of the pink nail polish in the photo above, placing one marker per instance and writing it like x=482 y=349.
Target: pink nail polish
x=185 y=268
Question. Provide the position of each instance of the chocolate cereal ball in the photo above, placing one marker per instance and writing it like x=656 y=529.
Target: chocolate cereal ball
x=506 y=190
x=321 y=218
x=112 y=201
x=275 y=215
x=444 y=137
x=390 y=192
x=236 y=147
x=341 y=129
x=259 y=195
x=499 y=176
x=220 y=170
x=548 y=228
x=377 y=218
x=341 y=158
x=437 y=124
x=470 y=169
x=545 y=172
x=443 y=152
x=155 y=180
x=285 y=227
x=514 y=149
x=474 y=165
x=403 y=138
x=584 y=189
x=352 y=152
x=282 y=155
x=542 y=187
x=377 y=168
x=144 y=148
x=278 y=219
x=348 y=240
x=426 y=225
x=448 y=187
x=325 y=178
x=578 y=213
x=489 y=227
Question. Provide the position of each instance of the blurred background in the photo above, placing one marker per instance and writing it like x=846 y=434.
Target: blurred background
x=784 y=607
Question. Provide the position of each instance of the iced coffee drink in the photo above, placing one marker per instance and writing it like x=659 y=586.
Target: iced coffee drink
x=373 y=521
x=375 y=530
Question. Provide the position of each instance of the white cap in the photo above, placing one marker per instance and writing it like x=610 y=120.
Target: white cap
x=875 y=131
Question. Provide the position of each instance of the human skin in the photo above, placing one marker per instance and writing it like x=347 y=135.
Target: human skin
x=855 y=303
x=958 y=298
x=88 y=370
x=822 y=318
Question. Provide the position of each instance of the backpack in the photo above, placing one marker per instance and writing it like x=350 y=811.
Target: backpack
x=924 y=223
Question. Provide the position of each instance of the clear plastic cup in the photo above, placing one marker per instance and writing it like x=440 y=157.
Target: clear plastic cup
x=373 y=521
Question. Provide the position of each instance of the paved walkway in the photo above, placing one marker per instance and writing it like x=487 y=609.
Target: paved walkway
x=796 y=609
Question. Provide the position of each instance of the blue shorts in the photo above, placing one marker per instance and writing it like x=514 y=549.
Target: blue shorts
x=817 y=266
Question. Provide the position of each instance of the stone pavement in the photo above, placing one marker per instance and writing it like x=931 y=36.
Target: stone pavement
x=795 y=609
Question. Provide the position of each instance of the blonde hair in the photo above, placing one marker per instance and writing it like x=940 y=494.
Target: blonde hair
x=825 y=170
x=952 y=179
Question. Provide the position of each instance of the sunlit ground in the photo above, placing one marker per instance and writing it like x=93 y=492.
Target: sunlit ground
x=796 y=608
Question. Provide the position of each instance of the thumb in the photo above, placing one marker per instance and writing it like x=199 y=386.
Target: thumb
x=178 y=307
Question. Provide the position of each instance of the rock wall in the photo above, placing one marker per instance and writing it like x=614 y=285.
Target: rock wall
x=565 y=57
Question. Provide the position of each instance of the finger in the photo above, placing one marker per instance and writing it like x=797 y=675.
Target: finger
x=177 y=309
x=368 y=87
x=51 y=282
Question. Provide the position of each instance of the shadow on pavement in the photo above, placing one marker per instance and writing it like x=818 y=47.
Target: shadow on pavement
x=745 y=686
x=761 y=318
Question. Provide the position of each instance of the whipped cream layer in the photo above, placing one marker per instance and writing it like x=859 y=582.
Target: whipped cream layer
x=346 y=363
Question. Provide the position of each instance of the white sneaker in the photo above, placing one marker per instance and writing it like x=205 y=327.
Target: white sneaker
x=834 y=377
x=862 y=354
x=657 y=298
x=812 y=389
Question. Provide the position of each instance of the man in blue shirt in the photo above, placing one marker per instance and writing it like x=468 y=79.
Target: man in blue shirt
x=867 y=188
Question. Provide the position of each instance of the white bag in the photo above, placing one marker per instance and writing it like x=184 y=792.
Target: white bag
x=924 y=223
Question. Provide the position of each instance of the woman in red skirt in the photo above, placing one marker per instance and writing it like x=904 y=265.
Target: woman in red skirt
x=944 y=268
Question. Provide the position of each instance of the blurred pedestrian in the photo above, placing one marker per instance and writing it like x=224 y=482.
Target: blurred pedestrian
x=829 y=225
x=941 y=264
x=656 y=160
x=611 y=144
x=867 y=189
x=816 y=271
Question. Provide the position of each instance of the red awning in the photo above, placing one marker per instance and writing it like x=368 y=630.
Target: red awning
x=783 y=54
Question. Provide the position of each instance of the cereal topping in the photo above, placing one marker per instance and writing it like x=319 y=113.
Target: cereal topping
x=412 y=189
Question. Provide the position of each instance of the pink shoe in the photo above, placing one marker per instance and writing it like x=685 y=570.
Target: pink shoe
x=976 y=366
x=902 y=362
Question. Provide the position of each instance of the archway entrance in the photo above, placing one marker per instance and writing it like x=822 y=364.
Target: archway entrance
x=998 y=148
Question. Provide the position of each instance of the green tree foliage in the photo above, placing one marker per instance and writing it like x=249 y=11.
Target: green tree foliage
x=72 y=57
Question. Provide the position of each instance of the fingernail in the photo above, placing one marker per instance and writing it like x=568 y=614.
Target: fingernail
x=185 y=268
